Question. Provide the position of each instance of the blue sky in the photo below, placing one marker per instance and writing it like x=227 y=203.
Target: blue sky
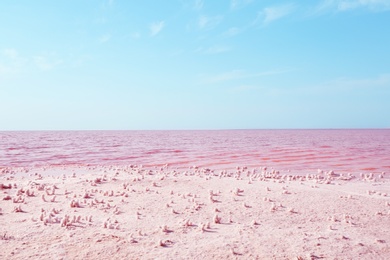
x=239 y=64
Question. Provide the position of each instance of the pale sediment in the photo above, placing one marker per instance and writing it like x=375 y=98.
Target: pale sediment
x=136 y=213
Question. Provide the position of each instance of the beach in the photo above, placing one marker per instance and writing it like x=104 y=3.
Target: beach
x=136 y=212
x=195 y=129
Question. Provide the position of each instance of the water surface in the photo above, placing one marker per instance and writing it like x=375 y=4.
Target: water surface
x=296 y=150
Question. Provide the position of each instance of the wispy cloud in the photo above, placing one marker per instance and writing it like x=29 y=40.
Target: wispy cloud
x=156 y=28
x=106 y=5
x=346 y=5
x=105 y=38
x=217 y=49
x=273 y=13
x=232 y=31
x=209 y=22
x=346 y=86
x=235 y=4
x=44 y=63
x=136 y=35
x=243 y=88
x=242 y=74
x=80 y=61
x=198 y=5
x=382 y=80
x=10 y=62
x=4 y=70
x=177 y=53
x=226 y=76
x=323 y=6
x=10 y=53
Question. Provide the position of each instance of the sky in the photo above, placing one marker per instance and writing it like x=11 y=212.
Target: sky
x=194 y=64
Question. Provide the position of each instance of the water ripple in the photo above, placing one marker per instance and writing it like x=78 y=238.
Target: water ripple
x=295 y=150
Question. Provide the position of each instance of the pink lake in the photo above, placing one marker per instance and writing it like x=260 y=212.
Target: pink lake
x=301 y=151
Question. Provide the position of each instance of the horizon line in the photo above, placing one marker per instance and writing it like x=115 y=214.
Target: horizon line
x=203 y=129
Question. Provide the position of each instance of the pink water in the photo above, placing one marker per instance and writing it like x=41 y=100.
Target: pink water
x=296 y=150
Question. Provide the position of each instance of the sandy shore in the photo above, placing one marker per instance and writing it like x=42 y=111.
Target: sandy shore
x=136 y=213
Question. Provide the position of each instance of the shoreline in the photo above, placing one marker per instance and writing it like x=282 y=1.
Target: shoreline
x=124 y=212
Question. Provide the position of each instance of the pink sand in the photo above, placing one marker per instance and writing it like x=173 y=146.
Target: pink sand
x=137 y=213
